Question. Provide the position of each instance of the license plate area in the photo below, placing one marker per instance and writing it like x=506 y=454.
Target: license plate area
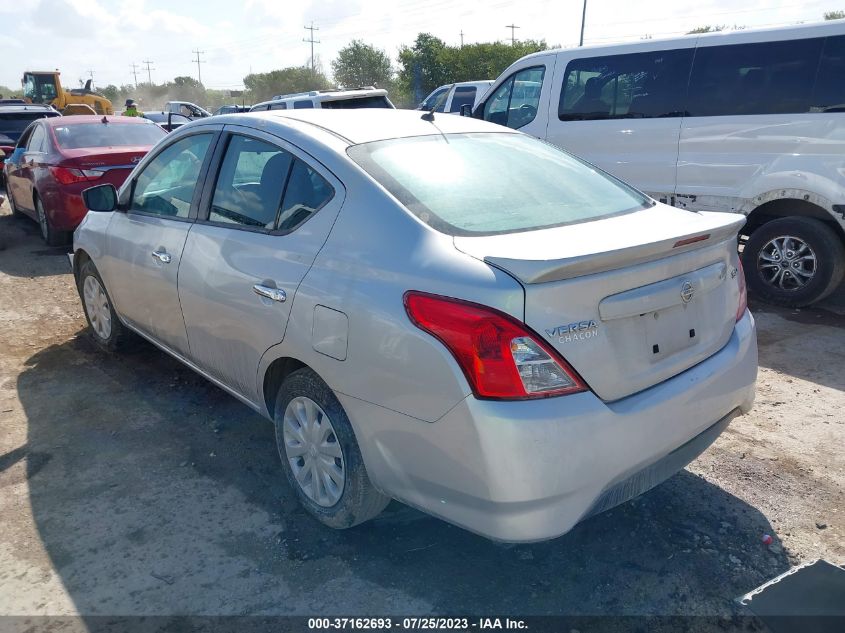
x=671 y=330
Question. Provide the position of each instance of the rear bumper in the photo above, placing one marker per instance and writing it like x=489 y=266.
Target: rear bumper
x=529 y=471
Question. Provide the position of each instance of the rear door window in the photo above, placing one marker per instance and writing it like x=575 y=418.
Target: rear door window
x=829 y=91
x=464 y=95
x=638 y=85
x=249 y=187
x=306 y=192
x=514 y=103
x=303 y=104
x=764 y=78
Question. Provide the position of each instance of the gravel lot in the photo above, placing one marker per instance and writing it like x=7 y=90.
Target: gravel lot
x=130 y=486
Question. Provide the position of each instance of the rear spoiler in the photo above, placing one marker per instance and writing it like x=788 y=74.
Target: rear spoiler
x=540 y=271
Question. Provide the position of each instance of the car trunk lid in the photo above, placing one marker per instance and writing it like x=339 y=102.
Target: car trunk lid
x=629 y=301
x=112 y=163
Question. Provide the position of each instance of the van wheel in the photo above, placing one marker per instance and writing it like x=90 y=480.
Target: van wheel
x=320 y=454
x=793 y=261
x=103 y=323
x=51 y=236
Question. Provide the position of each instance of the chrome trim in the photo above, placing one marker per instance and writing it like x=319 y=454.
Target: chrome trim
x=276 y=294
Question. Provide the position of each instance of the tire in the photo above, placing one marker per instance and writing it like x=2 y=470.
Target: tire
x=812 y=248
x=341 y=506
x=50 y=235
x=114 y=336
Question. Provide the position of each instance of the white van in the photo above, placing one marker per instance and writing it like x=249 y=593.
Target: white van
x=367 y=97
x=750 y=121
x=456 y=95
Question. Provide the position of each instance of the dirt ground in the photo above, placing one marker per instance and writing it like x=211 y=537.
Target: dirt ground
x=130 y=486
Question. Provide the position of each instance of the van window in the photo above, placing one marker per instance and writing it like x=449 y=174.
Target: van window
x=829 y=92
x=278 y=106
x=638 y=85
x=431 y=101
x=464 y=95
x=298 y=105
x=514 y=103
x=764 y=78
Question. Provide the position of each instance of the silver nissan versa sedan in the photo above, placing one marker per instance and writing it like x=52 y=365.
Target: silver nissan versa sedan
x=430 y=308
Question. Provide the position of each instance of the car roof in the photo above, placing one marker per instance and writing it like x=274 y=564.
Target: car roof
x=30 y=107
x=91 y=118
x=365 y=125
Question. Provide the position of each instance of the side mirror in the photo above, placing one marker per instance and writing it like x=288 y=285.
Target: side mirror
x=100 y=198
x=466 y=109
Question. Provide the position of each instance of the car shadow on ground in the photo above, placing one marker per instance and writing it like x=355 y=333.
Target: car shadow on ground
x=156 y=493
x=22 y=235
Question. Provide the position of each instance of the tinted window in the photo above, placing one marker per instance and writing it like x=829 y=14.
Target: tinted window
x=765 y=78
x=107 y=135
x=431 y=100
x=298 y=105
x=278 y=106
x=829 y=93
x=356 y=102
x=306 y=192
x=484 y=184
x=166 y=185
x=12 y=124
x=464 y=95
x=38 y=140
x=514 y=103
x=639 y=85
x=249 y=188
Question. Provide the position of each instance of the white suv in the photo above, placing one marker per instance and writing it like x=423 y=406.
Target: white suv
x=367 y=97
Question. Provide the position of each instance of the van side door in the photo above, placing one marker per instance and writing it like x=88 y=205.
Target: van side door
x=622 y=111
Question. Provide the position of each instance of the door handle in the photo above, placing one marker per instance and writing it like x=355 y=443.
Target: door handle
x=161 y=256
x=276 y=294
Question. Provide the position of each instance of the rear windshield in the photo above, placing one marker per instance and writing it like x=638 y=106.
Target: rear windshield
x=356 y=102
x=12 y=124
x=80 y=135
x=493 y=183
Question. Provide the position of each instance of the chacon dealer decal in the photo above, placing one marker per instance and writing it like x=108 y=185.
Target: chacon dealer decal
x=578 y=331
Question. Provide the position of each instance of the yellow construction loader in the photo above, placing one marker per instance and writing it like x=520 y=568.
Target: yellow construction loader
x=45 y=87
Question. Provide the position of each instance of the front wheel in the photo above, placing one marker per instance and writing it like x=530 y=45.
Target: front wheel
x=104 y=324
x=793 y=261
x=320 y=454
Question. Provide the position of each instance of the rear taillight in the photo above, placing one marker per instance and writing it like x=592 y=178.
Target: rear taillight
x=69 y=175
x=500 y=357
x=743 y=292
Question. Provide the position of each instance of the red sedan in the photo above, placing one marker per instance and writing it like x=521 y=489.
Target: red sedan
x=56 y=159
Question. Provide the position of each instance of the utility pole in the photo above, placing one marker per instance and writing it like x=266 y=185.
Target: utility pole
x=148 y=63
x=462 y=38
x=311 y=39
x=135 y=73
x=583 y=17
x=513 y=28
x=198 y=61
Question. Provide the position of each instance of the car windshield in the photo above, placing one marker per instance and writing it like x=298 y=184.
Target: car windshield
x=493 y=183
x=356 y=102
x=12 y=124
x=79 y=135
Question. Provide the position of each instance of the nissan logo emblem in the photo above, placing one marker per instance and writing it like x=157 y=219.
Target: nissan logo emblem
x=687 y=291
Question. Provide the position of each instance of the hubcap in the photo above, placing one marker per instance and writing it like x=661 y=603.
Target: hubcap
x=787 y=263
x=313 y=451
x=97 y=307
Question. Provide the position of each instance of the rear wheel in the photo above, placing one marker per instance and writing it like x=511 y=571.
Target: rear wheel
x=793 y=261
x=51 y=236
x=320 y=454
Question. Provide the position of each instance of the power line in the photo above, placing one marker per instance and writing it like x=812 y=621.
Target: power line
x=135 y=72
x=148 y=63
x=198 y=61
x=311 y=39
x=513 y=28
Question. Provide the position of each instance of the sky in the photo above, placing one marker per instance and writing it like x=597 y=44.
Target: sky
x=236 y=37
